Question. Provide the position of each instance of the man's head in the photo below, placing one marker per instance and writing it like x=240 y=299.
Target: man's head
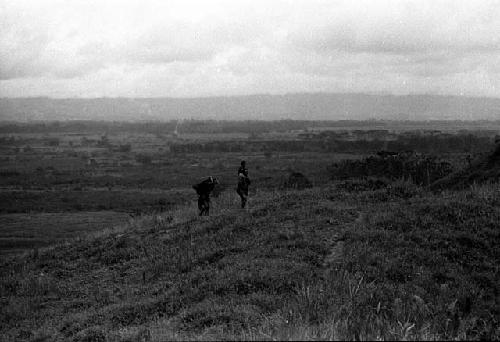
x=243 y=163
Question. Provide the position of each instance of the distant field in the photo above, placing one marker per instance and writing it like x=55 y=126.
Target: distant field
x=131 y=200
x=20 y=232
x=60 y=172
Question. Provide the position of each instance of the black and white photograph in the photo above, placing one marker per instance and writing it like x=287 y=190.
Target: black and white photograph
x=249 y=170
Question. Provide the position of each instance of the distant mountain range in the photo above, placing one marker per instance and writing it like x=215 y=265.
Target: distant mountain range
x=303 y=106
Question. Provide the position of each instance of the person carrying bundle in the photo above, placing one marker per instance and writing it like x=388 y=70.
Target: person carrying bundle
x=203 y=190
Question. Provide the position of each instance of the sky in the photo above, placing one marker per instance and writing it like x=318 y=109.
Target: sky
x=161 y=48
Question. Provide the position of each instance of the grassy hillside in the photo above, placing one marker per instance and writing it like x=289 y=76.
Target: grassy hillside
x=485 y=168
x=323 y=263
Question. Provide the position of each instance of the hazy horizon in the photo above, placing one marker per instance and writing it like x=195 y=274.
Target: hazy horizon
x=298 y=106
x=187 y=97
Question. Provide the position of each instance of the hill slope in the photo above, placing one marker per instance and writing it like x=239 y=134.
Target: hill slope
x=484 y=169
x=318 y=263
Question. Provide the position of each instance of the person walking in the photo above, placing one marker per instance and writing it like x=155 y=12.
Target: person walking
x=243 y=183
x=203 y=190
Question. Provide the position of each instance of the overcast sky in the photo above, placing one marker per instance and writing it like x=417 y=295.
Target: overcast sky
x=148 y=48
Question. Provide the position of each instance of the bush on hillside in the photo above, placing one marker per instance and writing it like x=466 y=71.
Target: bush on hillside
x=483 y=170
x=420 y=169
x=297 y=180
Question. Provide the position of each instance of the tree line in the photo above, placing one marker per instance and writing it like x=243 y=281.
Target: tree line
x=460 y=143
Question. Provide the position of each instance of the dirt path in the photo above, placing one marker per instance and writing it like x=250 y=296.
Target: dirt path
x=336 y=255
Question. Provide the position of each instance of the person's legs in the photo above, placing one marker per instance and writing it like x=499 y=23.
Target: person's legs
x=238 y=191
x=244 y=198
x=204 y=205
x=201 y=206
x=207 y=207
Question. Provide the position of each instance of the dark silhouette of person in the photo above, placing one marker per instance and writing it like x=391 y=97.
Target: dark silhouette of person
x=243 y=183
x=203 y=190
x=243 y=169
x=469 y=160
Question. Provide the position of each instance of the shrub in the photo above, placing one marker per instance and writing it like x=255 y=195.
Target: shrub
x=297 y=180
x=420 y=169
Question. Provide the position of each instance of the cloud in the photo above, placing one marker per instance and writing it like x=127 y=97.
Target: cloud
x=403 y=27
x=66 y=40
x=193 y=48
x=21 y=45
